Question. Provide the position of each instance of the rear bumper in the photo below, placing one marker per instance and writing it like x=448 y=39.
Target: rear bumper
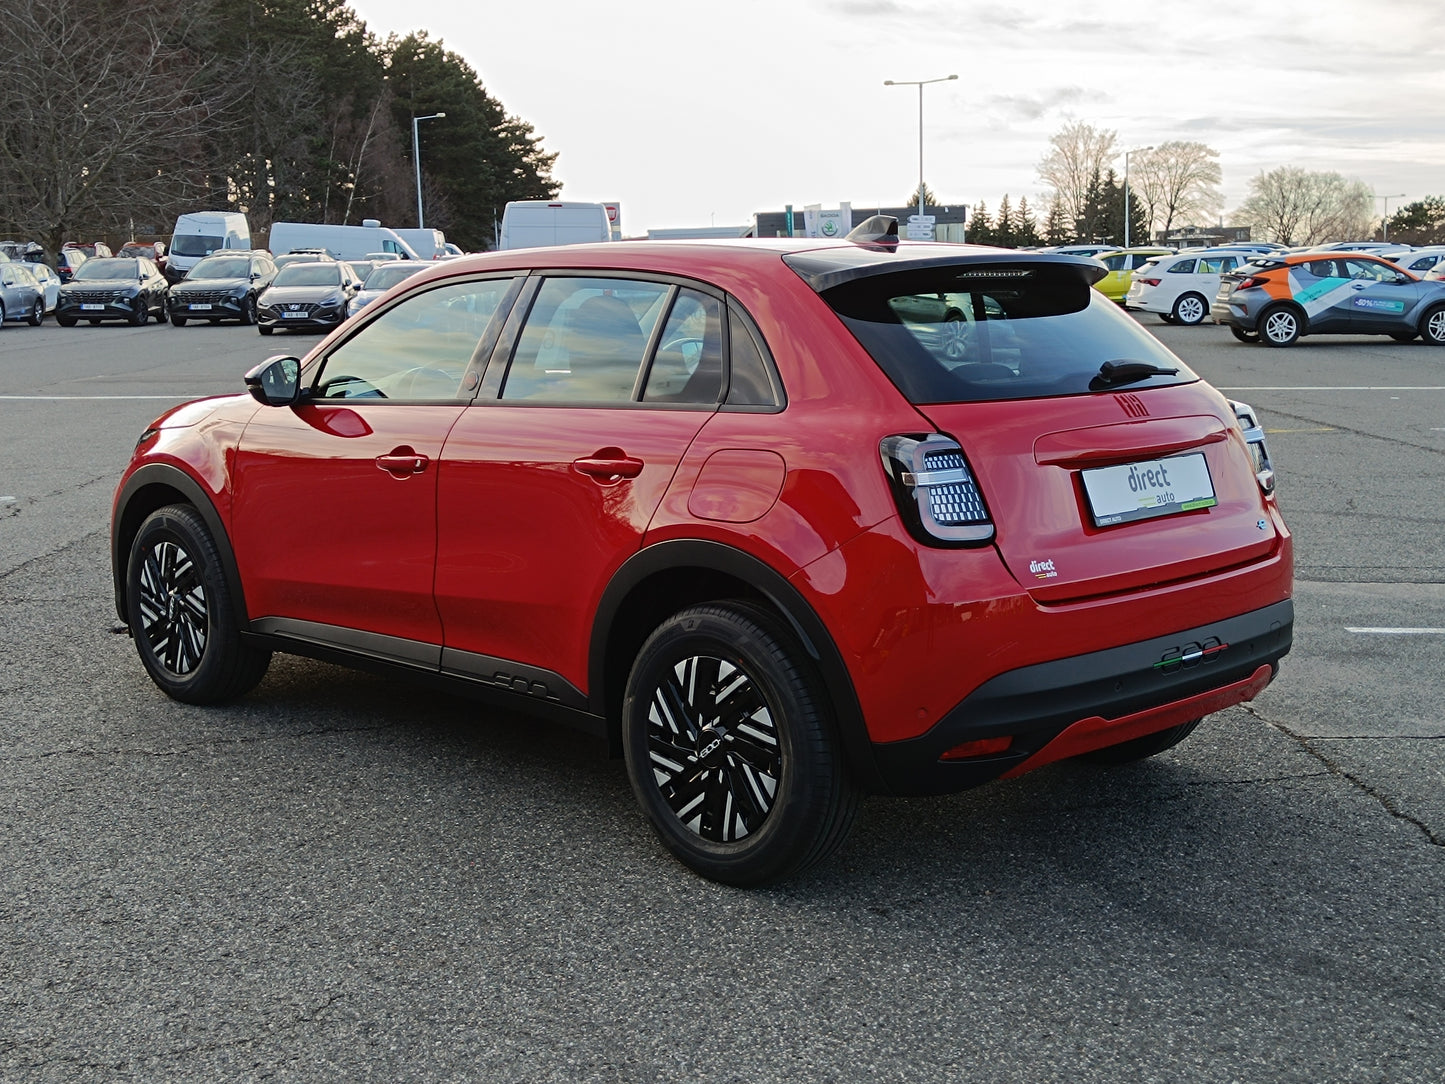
x=1069 y=706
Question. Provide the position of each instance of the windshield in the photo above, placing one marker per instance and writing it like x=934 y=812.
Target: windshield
x=384 y=278
x=221 y=267
x=108 y=268
x=308 y=274
x=195 y=244
x=962 y=334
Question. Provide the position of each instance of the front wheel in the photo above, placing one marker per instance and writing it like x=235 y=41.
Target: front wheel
x=1432 y=326
x=141 y=314
x=730 y=749
x=1190 y=309
x=248 y=311
x=181 y=613
x=1279 y=326
x=1139 y=748
x=37 y=313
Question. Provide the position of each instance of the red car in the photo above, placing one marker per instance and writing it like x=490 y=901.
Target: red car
x=779 y=529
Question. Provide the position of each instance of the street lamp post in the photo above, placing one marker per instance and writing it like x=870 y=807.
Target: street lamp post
x=1385 y=222
x=416 y=160
x=920 y=84
x=1127 y=216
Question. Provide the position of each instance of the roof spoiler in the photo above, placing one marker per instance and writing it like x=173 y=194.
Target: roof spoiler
x=875 y=230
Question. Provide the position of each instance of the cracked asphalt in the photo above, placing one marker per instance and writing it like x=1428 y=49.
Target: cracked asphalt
x=339 y=879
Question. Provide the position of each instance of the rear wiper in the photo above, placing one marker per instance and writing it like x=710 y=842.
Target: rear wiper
x=1126 y=372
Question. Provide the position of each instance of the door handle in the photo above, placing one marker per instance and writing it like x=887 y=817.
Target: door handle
x=402 y=462
x=609 y=465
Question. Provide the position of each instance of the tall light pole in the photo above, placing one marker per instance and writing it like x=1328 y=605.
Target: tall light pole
x=1385 y=222
x=920 y=84
x=1127 y=216
x=416 y=160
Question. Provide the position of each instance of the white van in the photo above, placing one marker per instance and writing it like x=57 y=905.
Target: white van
x=343 y=242
x=537 y=223
x=200 y=233
x=427 y=243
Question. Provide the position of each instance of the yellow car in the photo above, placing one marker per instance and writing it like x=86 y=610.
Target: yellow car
x=1121 y=265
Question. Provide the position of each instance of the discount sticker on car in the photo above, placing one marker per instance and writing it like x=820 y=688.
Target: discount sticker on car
x=1159 y=487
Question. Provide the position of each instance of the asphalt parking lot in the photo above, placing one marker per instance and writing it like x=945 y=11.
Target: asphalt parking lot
x=338 y=879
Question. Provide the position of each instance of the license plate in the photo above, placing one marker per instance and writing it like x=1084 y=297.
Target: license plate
x=89 y=307
x=1157 y=487
x=294 y=315
x=200 y=306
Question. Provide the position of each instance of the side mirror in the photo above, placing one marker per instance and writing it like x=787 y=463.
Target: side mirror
x=276 y=381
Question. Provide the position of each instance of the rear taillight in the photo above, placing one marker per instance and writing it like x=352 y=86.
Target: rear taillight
x=935 y=490
x=1254 y=440
x=1150 y=282
x=1249 y=283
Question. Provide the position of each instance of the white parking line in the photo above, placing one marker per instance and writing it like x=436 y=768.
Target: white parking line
x=1396 y=632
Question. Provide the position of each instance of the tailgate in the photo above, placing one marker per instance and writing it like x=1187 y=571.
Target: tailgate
x=1096 y=494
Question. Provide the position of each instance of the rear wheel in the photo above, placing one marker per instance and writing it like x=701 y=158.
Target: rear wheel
x=1432 y=326
x=730 y=749
x=181 y=612
x=1190 y=309
x=1139 y=748
x=1279 y=326
x=37 y=313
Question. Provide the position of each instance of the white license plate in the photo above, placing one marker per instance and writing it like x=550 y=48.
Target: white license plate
x=95 y=308
x=200 y=306
x=1157 y=487
x=294 y=315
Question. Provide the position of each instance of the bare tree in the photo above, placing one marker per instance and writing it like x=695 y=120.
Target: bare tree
x=1296 y=207
x=107 y=107
x=1079 y=154
x=1176 y=182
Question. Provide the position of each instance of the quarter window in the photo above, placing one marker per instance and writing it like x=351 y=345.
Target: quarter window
x=1183 y=267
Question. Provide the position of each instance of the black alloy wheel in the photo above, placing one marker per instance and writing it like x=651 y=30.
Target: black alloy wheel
x=181 y=613
x=142 y=311
x=730 y=749
x=248 y=310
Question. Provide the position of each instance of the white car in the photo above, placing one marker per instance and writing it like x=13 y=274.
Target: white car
x=1179 y=288
x=382 y=278
x=1418 y=260
x=48 y=279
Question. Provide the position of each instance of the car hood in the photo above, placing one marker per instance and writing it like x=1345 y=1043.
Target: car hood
x=188 y=414
x=101 y=284
x=208 y=284
x=276 y=294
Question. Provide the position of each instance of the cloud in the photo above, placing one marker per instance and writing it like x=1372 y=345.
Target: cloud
x=1005 y=107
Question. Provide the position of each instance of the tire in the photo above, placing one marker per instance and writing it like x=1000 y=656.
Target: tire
x=178 y=321
x=1244 y=336
x=1190 y=309
x=65 y=321
x=248 y=311
x=142 y=313
x=1139 y=748
x=263 y=329
x=163 y=315
x=37 y=314
x=181 y=612
x=2 y=314
x=1279 y=326
x=730 y=748
x=1432 y=326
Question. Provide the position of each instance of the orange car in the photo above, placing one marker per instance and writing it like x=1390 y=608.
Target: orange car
x=1276 y=299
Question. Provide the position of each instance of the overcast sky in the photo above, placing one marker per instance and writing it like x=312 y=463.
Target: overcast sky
x=703 y=113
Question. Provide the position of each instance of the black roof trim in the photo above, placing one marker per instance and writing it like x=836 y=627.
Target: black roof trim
x=825 y=268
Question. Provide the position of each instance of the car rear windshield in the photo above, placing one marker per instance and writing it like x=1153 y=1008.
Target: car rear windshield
x=948 y=334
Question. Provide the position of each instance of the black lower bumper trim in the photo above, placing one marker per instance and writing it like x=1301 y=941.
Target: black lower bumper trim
x=1034 y=704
